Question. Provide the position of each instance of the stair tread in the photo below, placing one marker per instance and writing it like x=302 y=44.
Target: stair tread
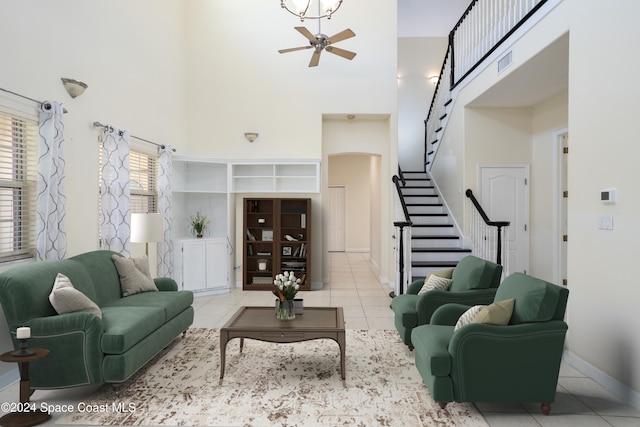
x=448 y=249
x=434 y=263
x=429 y=214
x=433 y=225
x=435 y=236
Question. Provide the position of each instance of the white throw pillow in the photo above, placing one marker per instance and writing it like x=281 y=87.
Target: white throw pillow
x=66 y=299
x=468 y=316
x=132 y=279
x=434 y=282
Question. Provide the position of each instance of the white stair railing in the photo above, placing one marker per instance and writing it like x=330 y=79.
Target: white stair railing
x=483 y=27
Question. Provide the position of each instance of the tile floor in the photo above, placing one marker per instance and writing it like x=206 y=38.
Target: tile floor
x=354 y=286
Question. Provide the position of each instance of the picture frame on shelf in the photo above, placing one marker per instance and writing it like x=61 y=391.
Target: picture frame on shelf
x=286 y=251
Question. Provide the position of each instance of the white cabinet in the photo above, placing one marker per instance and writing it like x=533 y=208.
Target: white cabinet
x=202 y=264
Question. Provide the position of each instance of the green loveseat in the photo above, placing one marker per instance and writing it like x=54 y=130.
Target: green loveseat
x=85 y=348
x=474 y=281
x=518 y=362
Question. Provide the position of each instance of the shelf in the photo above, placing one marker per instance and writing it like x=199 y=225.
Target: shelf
x=285 y=177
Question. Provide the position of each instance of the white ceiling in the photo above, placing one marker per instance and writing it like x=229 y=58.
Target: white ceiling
x=429 y=18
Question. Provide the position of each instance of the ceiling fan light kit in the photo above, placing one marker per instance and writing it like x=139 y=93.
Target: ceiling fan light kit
x=301 y=8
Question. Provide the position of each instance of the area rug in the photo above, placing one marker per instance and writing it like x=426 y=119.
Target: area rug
x=270 y=384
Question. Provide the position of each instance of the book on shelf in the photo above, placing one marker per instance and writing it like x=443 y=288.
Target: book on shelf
x=267 y=235
x=250 y=235
x=249 y=249
x=264 y=254
x=261 y=280
x=303 y=220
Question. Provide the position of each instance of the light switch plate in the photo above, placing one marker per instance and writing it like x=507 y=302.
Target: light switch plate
x=605 y=222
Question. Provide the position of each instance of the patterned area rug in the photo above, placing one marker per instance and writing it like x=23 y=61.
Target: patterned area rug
x=276 y=385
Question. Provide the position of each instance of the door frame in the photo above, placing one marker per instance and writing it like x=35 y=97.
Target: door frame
x=559 y=259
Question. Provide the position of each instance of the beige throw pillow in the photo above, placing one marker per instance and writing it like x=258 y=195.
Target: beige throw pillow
x=66 y=299
x=434 y=282
x=468 y=316
x=498 y=313
x=132 y=280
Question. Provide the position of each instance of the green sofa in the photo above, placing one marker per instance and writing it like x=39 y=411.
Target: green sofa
x=85 y=348
x=474 y=281
x=518 y=362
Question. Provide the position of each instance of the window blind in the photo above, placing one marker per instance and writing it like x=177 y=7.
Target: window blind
x=18 y=146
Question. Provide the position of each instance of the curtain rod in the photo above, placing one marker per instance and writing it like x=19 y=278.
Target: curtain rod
x=64 y=110
x=100 y=125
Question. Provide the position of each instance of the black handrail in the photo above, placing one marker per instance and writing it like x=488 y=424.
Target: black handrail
x=401 y=175
x=485 y=218
x=396 y=181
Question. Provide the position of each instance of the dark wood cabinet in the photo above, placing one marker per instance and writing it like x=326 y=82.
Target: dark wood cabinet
x=277 y=238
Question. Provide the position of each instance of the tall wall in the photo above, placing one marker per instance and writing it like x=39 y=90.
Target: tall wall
x=136 y=78
x=604 y=153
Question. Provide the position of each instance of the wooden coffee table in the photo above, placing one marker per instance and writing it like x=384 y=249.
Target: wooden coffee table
x=260 y=323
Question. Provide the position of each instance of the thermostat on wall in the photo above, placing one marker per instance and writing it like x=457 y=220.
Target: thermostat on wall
x=608 y=196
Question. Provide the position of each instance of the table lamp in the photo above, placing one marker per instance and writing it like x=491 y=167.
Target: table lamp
x=147 y=227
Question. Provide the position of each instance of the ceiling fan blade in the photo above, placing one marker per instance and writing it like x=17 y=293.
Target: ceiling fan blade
x=305 y=32
x=293 y=49
x=342 y=35
x=341 y=52
x=315 y=58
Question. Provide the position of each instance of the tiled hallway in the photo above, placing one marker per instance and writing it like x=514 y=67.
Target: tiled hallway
x=354 y=286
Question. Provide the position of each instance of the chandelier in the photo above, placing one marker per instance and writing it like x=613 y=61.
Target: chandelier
x=301 y=8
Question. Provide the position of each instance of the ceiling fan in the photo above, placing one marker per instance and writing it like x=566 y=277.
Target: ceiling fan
x=322 y=42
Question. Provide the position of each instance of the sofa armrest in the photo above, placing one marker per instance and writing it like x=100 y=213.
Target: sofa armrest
x=430 y=301
x=522 y=360
x=415 y=286
x=165 y=284
x=448 y=314
x=74 y=342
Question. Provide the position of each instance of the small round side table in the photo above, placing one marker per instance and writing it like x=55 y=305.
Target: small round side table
x=24 y=419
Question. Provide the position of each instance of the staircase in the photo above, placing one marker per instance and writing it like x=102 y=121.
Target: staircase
x=435 y=241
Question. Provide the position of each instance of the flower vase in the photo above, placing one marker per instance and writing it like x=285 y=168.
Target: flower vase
x=285 y=310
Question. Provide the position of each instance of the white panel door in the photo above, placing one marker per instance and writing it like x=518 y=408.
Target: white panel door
x=336 y=239
x=504 y=195
x=216 y=263
x=193 y=264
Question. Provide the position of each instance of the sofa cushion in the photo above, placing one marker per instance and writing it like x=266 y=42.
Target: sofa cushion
x=431 y=344
x=404 y=307
x=472 y=273
x=468 y=316
x=535 y=299
x=132 y=280
x=499 y=313
x=126 y=326
x=66 y=299
x=172 y=303
x=435 y=282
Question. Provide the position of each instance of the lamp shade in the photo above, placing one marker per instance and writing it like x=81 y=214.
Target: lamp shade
x=147 y=227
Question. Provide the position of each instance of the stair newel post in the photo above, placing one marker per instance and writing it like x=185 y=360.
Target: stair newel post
x=499 y=247
x=401 y=263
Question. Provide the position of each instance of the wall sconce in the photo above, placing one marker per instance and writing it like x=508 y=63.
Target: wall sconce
x=250 y=136
x=434 y=79
x=74 y=87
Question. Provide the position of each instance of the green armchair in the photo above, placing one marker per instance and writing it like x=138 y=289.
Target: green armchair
x=474 y=281
x=479 y=362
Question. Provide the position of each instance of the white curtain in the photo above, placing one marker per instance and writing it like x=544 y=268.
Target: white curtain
x=115 y=218
x=165 y=248
x=51 y=232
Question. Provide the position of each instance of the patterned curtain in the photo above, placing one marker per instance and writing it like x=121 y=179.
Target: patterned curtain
x=51 y=232
x=165 y=248
x=115 y=218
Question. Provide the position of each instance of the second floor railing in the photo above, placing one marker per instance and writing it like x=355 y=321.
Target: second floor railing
x=490 y=239
x=483 y=27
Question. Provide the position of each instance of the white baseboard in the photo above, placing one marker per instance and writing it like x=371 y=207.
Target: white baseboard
x=9 y=378
x=623 y=391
